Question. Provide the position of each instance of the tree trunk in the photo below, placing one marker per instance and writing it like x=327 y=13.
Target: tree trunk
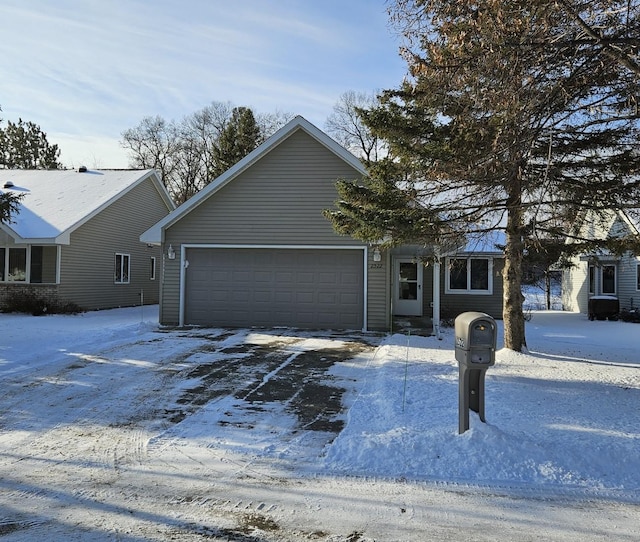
x=514 y=337
x=547 y=288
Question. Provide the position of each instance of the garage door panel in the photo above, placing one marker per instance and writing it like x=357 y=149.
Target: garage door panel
x=309 y=288
x=350 y=279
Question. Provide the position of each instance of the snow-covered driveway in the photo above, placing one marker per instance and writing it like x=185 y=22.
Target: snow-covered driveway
x=113 y=429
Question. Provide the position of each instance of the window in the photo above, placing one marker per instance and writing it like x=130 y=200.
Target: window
x=13 y=264
x=608 y=279
x=152 y=269
x=469 y=275
x=458 y=274
x=43 y=264
x=121 y=274
x=592 y=279
x=36 y=264
x=638 y=277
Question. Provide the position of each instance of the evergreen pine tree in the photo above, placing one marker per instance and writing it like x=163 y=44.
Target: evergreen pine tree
x=240 y=136
x=511 y=118
x=23 y=145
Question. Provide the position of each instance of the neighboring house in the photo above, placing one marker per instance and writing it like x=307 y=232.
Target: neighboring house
x=76 y=237
x=253 y=249
x=603 y=274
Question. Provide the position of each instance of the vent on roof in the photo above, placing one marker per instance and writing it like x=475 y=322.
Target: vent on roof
x=8 y=184
x=82 y=169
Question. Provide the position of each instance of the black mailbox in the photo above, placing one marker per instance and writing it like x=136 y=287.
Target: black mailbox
x=475 y=339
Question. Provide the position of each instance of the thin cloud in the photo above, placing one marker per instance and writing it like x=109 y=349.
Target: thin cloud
x=92 y=69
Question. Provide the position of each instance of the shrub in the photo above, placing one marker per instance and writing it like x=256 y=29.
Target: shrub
x=31 y=303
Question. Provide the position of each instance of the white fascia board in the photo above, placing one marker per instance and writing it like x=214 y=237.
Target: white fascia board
x=62 y=239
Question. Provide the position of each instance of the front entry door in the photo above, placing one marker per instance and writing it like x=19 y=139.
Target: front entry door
x=407 y=299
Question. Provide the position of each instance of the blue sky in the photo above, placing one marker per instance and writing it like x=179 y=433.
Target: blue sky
x=86 y=70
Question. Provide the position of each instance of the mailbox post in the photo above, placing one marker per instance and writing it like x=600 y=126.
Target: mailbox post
x=475 y=336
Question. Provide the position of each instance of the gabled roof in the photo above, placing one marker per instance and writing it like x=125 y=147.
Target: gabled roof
x=155 y=233
x=56 y=202
x=598 y=226
x=632 y=219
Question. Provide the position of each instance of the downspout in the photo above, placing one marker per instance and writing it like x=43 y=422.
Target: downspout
x=436 y=294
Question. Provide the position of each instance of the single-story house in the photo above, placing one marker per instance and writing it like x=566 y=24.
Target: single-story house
x=254 y=249
x=603 y=274
x=76 y=236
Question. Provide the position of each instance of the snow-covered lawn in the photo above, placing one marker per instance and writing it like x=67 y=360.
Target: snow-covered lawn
x=97 y=443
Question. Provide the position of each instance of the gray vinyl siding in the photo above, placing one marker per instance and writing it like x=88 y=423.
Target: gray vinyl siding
x=427 y=290
x=277 y=201
x=87 y=264
x=170 y=289
x=628 y=293
x=379 y=293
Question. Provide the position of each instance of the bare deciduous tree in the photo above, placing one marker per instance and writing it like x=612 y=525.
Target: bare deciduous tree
x=184 y=152
x=345 y=125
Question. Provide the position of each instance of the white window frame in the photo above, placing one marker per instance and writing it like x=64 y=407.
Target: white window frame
x=152 y=270
x=4 y=264
x=119 y=269
x=7 y=258
x=469 y=290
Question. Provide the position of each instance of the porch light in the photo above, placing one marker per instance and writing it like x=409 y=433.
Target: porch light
x=171 y=253
x=376 y=255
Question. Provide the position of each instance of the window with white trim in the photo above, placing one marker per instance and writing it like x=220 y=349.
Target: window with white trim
x=13 y=264
x=122 y=268
x=469 y=275
x=609 y=279
x=592 y=279
x=152 y=268
x=638 y=276
x=36 y=264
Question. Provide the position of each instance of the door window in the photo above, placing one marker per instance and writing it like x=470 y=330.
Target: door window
x=408 y=281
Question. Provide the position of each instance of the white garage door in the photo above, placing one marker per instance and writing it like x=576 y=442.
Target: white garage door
x=306 y=288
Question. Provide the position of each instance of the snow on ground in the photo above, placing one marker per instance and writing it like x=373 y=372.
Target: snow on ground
x=86 y=454
x=563 y=416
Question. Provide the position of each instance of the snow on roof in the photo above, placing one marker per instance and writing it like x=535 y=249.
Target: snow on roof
x=486 y=242
x=57 y=201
